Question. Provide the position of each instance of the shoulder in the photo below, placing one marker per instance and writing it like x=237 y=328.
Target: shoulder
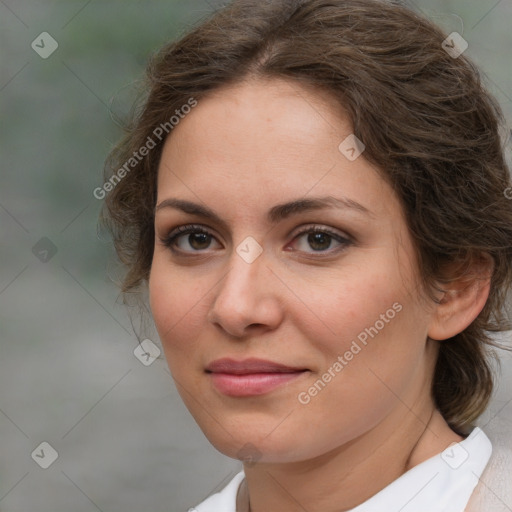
x=494 y=488
x=224 y=500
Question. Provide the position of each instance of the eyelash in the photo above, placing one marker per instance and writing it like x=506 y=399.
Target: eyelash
x=169 y=240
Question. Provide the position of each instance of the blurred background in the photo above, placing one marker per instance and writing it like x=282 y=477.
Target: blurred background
x=122 y=439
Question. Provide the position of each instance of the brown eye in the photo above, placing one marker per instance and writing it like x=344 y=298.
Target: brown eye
x=320 y=240
x=189 y=238
x=199 y=240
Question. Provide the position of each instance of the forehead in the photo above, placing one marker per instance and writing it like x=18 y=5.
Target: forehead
x=261 y=114
x=266 y=141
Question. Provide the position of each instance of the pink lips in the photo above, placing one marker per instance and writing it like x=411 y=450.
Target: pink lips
x=250 y=377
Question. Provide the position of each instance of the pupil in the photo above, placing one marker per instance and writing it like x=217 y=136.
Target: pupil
x=201 y=238
x=319 y=239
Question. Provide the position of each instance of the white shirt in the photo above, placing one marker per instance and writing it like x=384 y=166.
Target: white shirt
x=443 y=483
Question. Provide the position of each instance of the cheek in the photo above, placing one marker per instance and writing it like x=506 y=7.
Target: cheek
x=370 y=370
x=177 y=303
x=370 y=331
x=354 y=303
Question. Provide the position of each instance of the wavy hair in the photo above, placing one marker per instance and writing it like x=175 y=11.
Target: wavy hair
x=425 y=117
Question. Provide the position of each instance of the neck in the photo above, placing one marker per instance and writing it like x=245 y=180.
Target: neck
x=348 y=475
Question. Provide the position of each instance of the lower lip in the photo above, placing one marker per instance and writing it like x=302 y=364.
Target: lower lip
x=251 y=384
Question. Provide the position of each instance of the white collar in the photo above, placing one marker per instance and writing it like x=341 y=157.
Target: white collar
x=443 y=483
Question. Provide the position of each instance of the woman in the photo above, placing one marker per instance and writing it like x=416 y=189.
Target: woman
x=314 y=194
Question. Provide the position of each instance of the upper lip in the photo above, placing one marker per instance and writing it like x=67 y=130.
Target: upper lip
x=248 y=366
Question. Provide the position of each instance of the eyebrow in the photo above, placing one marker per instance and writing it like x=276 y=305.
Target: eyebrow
x=276 y=213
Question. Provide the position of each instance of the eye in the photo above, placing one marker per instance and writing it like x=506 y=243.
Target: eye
x=320 y=240
x=193 y=238
x=188 y=238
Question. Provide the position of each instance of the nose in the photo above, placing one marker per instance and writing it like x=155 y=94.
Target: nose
x=247 y=298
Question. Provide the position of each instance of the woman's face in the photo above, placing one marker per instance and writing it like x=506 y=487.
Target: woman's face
x=325 y=290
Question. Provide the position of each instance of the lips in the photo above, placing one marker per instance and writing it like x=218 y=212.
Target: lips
x=248 y=366
x=250 y=377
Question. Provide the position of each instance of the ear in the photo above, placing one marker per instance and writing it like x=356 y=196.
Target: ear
x=462 y=300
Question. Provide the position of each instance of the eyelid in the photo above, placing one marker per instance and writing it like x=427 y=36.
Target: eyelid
x=182 y=230
x=344 y=239
x=306 y=228
x=185 y=228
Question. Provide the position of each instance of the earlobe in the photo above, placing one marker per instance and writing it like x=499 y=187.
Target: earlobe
x=462 y=301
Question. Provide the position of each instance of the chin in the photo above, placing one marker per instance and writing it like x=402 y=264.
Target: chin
x=250 y=443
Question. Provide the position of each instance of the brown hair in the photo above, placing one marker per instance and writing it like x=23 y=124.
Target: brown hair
x=426 y=120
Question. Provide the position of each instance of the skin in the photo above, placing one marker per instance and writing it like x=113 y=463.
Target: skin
x=241 y=151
